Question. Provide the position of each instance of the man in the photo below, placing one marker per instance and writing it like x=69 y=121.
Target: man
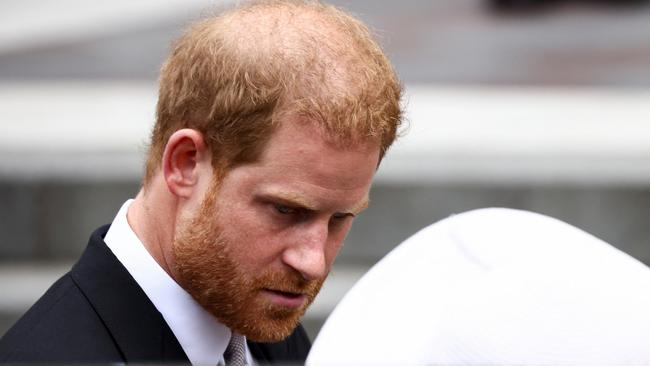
x=271 y=121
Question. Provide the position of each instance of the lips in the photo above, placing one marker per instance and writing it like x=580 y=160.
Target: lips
x=286 y=298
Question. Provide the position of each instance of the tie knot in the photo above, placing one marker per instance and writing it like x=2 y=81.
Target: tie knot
x=235 y=354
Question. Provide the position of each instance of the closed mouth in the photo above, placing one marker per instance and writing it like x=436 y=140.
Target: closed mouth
x=286 y=293
x=287 y=299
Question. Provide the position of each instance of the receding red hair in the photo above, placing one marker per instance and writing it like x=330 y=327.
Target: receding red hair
x=236 y=76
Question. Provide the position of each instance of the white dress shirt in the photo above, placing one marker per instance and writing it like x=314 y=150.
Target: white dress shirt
x=202 y=337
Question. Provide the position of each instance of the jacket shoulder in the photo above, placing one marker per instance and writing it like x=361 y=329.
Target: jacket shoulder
x=61 y=326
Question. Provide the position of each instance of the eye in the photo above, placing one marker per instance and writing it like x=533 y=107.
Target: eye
x=341 y=215
x=283 y=209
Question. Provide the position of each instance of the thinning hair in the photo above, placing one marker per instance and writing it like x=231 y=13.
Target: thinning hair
x=236 y=76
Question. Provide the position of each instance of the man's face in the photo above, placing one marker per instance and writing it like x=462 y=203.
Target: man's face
x=257 y=251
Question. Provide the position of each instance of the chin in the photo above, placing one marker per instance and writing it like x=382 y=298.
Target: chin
x=271 y=333
x=266 y=325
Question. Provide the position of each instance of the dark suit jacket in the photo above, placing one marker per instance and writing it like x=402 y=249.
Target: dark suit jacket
x=98 y=313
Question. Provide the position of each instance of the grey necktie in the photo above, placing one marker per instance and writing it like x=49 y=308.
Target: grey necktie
x=235 y=354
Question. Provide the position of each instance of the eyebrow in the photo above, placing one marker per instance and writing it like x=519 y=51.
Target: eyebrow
x=361 y=206
x=296 y=200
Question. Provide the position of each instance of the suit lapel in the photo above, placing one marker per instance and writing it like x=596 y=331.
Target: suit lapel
x=262 y=353
x=259 y=352
x=265 y=353
x=139 y=330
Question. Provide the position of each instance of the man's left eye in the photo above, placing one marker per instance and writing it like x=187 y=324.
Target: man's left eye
x=341 y=215
x=285 y=210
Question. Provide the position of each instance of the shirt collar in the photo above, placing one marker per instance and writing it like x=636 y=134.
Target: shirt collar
x=202 y=337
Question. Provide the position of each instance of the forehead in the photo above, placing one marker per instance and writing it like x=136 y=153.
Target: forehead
x=300 y=147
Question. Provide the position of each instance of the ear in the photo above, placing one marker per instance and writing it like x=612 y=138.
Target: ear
x=185 y=161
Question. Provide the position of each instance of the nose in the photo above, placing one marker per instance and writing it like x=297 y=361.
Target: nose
x=306 y=252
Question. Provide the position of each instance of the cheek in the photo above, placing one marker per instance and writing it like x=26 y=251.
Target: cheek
x=251 y=242
x=340 y=231
x=336 y=241
x=332 y=252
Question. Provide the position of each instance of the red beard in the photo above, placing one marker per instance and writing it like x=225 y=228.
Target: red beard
x=205 y=268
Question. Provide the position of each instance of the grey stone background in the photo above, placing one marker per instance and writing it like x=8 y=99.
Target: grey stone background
x=45 y=223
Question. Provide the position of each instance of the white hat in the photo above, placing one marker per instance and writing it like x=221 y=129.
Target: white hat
x=494 y=287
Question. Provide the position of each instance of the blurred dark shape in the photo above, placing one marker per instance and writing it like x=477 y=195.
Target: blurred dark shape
x=534 y=6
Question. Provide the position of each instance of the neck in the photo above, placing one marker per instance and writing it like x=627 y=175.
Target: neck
x=151 y=216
